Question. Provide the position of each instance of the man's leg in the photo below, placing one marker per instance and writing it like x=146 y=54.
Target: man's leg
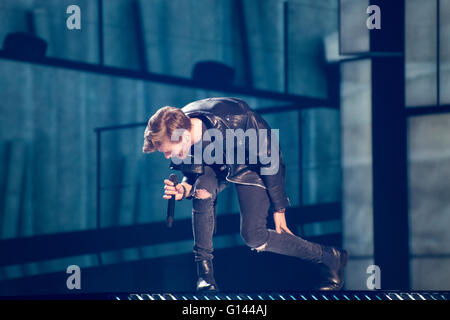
x=254 y=204
x=203 y=221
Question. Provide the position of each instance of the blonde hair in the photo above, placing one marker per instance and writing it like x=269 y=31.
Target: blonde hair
x=161 y=126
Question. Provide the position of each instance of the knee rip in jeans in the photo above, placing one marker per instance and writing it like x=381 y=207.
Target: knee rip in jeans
x=202 y=194
x=260 y=248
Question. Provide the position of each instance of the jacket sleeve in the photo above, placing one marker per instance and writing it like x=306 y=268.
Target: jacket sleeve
x=276 y=188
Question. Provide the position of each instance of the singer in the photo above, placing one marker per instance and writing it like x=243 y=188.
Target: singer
x=204 y=126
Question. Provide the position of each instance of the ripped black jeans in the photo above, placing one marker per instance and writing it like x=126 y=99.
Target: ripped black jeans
x=254 y=207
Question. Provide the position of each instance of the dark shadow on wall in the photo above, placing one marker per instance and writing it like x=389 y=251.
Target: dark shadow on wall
x=24 y=45
x=213 y=72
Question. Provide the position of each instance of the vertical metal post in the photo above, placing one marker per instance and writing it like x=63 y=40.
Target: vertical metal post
x=140 y=36
x=438 y=53
x=98 y=189
x=300 y=157
x=286 y=45
x=100 y=31
x=240 y=13
x=389 y=149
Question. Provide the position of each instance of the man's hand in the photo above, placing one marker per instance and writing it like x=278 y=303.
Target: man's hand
x=170 y=190
x=280 y=222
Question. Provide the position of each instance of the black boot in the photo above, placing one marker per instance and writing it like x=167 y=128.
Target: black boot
x=330 y=260
x=332 y=268
x=205 y=273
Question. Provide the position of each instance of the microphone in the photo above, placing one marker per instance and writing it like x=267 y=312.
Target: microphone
x=171 y=204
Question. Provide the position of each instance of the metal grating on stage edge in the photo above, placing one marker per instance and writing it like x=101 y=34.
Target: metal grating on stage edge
x=318 y=295
x=376 y=295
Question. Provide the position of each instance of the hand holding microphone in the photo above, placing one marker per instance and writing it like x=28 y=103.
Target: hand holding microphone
x=172 y=188
x=174 y=191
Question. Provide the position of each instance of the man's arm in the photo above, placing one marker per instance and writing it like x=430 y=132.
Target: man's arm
x=178 y=191
x=276 y=188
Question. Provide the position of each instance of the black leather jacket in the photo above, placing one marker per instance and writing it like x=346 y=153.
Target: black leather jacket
x=234 y=113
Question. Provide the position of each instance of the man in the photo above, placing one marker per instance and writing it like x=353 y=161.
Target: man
x=260 y=184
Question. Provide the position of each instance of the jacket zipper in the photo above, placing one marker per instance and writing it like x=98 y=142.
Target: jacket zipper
x=244 y=183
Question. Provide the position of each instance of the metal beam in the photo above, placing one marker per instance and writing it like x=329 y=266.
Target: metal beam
x=94 y=241
x=426 y=110
x=300 y=100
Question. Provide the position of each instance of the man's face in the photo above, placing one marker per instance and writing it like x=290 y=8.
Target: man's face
x=174 y=149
